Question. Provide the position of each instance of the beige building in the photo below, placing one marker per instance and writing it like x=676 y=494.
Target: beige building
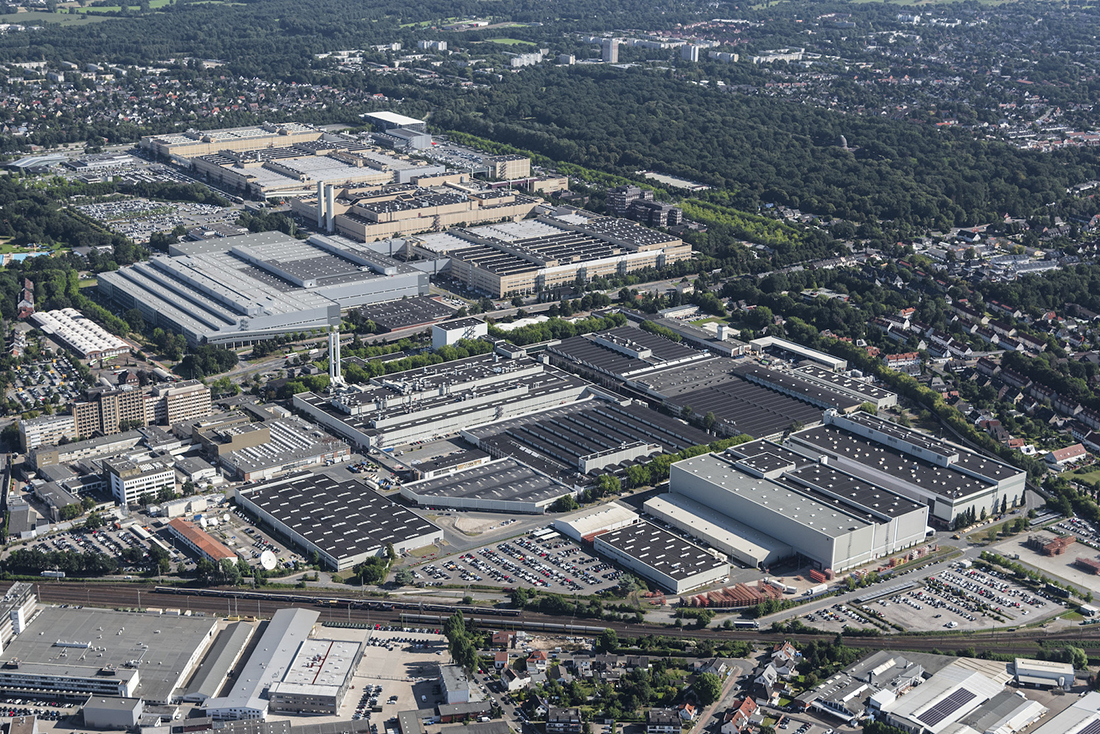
x=508 y=167
x=105 y=410
x=181 y=401
x=370 y=214
x=195 y=142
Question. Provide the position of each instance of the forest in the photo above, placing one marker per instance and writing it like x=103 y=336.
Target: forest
x=766 y=151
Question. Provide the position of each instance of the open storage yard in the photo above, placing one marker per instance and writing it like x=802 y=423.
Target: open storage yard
x=1059 y=566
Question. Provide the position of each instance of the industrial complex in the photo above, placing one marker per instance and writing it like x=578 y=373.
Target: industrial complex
x=547 y=252
x=439 y=400
x=236 y=290
x=344 y=523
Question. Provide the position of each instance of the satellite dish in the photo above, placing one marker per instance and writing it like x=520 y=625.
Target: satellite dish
x=268 y=561
x=225 y=517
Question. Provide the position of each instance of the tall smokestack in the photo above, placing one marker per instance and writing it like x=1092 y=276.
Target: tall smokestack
x=320 y=204
x=330 y=205
x=335 y=375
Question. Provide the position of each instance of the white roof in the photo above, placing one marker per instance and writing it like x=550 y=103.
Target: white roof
x=393 y=117
x=1081 y=714
x=1043 y=668
x=604 y=517
x=918 y=706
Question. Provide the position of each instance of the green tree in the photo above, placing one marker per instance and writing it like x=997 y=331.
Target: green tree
x=707 y=688
x=608 y=641
x=403 y=576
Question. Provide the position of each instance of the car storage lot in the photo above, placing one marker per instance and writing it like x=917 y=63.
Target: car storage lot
x=547 y=561
x=960 y=598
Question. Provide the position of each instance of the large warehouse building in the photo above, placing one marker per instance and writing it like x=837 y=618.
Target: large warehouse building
x=430 y=204
x=68 y=652
x=272 y=657
x=236 y=290
x=833 y=519
x=201 y=142
x=503 y=485
x=344 y=523
x=525 y=257
x=586 y=437
x=439 y=400
x=665 y=559
x=947 y=478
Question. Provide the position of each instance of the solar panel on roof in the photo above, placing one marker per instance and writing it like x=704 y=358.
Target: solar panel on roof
x=946 y=707
x=1092 y=728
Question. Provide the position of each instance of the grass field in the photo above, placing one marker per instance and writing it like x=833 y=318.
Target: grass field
x=60 y=18
x=511 y=42
x=426 y=23
x=153 y=4
x=1091 y=476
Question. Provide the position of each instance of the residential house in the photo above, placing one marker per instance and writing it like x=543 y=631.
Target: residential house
x=662 y=721
x=687 y=712
x=564 y=721
x=1068 y=455
x=537 y=660
x=504 y=639
x=717 y=666
x=765 y=686
x=907 y=362
x=515 y=681
x=737 y=718
x=784 y=654
x=987 y=366
x=500 y=660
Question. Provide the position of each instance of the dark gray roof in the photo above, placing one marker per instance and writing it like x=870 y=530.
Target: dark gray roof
x=343 y=518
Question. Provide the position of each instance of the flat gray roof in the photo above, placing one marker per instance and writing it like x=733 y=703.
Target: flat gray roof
x=344 y=519
x=270 y=659
x=504 y=480
x=215 y=667
x=163 y=644
x=662 y=551
x=774 y=496
x=946 y=482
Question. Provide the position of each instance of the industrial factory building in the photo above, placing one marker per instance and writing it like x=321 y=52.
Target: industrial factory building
x=236 y=290
x=947 y=478
x=429 y=203
x=439 y=400
x=831 y=518
x=525 y=257
x=344 y=523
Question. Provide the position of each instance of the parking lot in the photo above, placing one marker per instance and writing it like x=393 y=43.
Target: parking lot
x=1083 y=530
x=961 y=598
x=240 y=533
x=138 y=219
x=38 y=383
x=552 y=562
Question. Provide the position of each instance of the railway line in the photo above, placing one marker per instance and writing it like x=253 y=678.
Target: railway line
x=246 y=603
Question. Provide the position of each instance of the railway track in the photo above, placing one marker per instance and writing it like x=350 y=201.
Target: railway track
x=1024 y=644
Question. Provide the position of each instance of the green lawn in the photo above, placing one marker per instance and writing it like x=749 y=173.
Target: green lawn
x=511 y=42
x=153 y=4
x=60 y=18
x=1090 y=475
x=426 y=23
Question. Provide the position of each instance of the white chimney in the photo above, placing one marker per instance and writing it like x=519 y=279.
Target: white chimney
x=335 y=375
x=330 y=205
x=320 y=204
